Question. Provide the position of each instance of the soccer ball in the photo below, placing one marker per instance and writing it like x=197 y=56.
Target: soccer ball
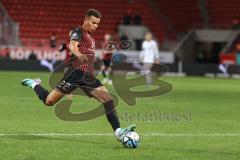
x=131 y=140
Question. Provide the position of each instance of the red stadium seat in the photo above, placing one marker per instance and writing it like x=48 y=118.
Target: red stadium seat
x=38 y=19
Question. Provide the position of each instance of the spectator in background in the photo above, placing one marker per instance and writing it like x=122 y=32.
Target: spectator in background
x=124 y=37
x=32 y=56
x=131 y=19
x=53 y=41
x=137 y=20
x=236 y=23
x=127 y=20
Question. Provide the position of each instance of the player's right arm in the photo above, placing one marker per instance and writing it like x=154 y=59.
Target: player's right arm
x=75 y=38
x=73 y=46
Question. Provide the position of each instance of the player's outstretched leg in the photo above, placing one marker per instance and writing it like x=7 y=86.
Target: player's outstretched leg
x=35 y=85
x=113 y=119
x=102 y=95
x=30 y=82
x=48 y=99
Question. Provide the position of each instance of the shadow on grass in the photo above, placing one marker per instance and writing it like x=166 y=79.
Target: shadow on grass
x=194 y=151
x=72 y=139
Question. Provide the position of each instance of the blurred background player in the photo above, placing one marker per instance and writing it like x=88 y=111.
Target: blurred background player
x=149 y=55
x=106 y=69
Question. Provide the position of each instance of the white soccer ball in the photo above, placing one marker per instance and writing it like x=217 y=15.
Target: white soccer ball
x=131 y=140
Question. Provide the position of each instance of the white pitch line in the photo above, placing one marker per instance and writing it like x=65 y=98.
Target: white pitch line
x=56 y=134
x=193 y=134
x=109 y=134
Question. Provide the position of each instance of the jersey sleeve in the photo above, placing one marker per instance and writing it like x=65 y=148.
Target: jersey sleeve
x=76 y=34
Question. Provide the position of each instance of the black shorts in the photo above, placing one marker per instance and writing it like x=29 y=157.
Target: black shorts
x=107 y=63
x=74 y=79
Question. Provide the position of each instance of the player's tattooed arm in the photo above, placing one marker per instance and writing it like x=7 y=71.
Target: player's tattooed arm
x=73 y=46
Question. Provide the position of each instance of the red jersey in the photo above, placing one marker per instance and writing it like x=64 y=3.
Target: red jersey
x=86 y=46
x=107 y=53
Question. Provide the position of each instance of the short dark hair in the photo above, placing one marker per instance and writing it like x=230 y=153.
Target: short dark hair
x=93 y=12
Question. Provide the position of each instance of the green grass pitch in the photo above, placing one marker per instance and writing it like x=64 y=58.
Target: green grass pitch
x=212 y=130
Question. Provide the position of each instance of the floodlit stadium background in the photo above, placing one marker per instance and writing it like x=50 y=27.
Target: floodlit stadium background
x=199 y=43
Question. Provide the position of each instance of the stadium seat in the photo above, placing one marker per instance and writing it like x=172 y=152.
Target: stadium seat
x=38 y=19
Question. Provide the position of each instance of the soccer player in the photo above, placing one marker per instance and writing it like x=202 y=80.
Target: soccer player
x=106 y=58
x=82 y=46
x=149 y=55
